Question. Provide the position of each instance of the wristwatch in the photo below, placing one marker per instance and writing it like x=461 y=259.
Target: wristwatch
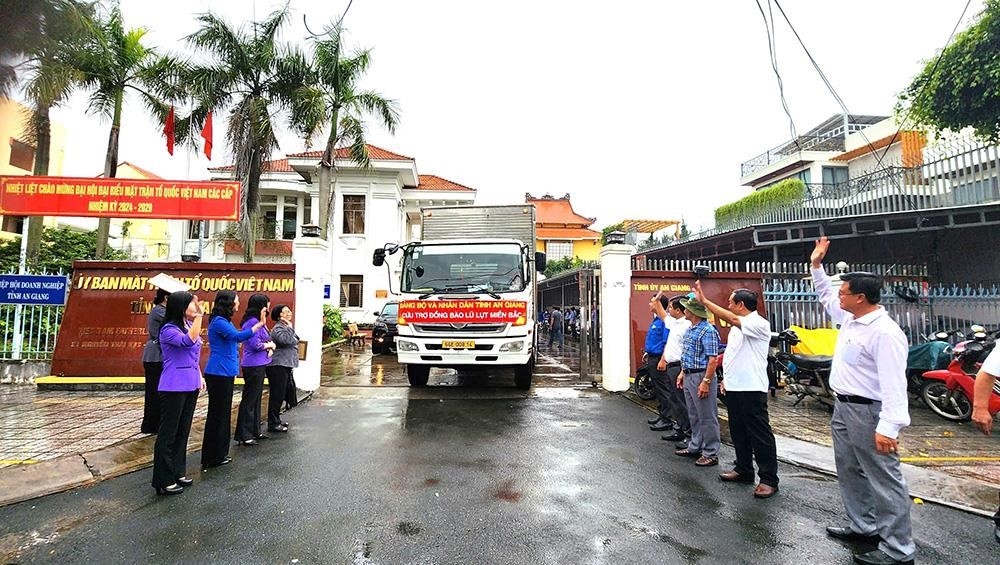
x=707 y=380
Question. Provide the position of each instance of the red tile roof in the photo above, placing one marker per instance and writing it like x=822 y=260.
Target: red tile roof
x=567 y=233
x=434 y=182
x=273 y=166
x=374 y=152
x=557 y=212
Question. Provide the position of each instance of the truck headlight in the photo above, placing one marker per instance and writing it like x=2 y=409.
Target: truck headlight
x=406 y=346
x=512 y=346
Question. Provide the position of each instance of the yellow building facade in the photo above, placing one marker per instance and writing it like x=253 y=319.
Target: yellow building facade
x=561 y=232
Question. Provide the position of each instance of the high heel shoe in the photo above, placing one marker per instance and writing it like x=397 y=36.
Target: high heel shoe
x=185 y=481
x=170 y=489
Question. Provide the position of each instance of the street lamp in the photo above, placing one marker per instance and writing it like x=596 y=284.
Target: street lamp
x=615 y=238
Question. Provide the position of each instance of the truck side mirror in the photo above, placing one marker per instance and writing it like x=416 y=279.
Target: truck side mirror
x=540 y=261
x=378 y=257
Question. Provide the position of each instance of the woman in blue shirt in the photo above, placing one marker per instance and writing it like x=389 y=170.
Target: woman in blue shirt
x=220 y=374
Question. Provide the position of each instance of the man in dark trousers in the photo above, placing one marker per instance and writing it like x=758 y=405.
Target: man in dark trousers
x=868 y=376
x=656 y=340
x=745 y=388
x=670 y=363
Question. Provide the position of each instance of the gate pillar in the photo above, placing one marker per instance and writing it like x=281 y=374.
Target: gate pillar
x=616 y=282
x=311 y=256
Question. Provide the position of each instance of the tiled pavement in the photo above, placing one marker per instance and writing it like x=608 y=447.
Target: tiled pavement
x=41 y=425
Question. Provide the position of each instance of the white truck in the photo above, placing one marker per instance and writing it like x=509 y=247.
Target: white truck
x=468 y=290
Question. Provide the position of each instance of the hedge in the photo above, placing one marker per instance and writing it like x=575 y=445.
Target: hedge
x=778 y=195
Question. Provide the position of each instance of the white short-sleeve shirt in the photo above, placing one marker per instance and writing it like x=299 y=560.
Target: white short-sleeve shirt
x=744 y=366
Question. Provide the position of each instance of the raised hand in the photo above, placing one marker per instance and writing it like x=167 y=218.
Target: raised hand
x=698 y=293
x=819 y=252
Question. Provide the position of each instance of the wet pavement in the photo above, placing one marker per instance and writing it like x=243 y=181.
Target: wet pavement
x=456 y=474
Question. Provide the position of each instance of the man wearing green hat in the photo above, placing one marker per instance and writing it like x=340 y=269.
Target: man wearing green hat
x=699 y=359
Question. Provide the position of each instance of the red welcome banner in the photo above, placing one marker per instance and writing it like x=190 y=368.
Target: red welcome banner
x=463 y=311
x=119 y=198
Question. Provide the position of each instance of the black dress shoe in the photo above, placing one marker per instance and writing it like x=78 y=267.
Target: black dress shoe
x=847 y=534
x=278 y=429
x=170 y=489
x=263 y=436
x=879 y=557
x=676 y=436
x=661 y=426
x=185 y=481
x=247 y=442
x=653 y=421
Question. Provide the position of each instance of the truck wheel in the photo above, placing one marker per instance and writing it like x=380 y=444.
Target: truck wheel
x=418 y=374
x=522 y=375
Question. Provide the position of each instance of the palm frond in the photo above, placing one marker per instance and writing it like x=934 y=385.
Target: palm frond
x=374 y=104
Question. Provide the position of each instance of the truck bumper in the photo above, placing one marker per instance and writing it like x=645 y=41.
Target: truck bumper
x=487 y=352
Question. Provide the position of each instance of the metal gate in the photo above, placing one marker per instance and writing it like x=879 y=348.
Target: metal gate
x=578 y=294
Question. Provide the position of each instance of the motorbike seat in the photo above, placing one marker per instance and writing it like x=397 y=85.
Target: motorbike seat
x=812 y=361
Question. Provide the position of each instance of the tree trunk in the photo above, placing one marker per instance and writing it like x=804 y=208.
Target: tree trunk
x=249 y=222
x=326 y=194
x=43 y=133
x=110 y=170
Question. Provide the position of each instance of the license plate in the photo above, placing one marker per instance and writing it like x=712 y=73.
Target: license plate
x=446 y=344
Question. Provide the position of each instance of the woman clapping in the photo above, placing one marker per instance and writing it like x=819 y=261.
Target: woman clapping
x=256 y=355
x=180 y=344
x=285 y=358
x=220 y=374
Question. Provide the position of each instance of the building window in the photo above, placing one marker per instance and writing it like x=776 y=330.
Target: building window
x=193 y=229
x=354 y=214
x=22 y=155
x=834 y=175
x=556 y=250
x=13 y=224
x=351 y=291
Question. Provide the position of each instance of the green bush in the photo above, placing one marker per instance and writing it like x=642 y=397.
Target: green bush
x=776 y=196
x=332 y=322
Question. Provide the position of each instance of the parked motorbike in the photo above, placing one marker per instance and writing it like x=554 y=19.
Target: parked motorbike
x=934 y=353
x=949 y=392
x=642 y=382
x=802 y=375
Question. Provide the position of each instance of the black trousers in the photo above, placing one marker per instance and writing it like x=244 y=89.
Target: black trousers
x=170 y=450
x=248 y=419
x=750 y=429
x=151 y=405
x=277 y=382
x=218 y=420
x=660 y=387
x=678 y=405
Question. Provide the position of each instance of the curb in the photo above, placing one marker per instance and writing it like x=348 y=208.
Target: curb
x=968 y=495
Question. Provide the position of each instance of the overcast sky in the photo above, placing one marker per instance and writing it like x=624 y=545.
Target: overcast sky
x=639 y=109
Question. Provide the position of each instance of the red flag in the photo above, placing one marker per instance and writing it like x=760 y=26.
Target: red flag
x=168 y=130
x=206 y=134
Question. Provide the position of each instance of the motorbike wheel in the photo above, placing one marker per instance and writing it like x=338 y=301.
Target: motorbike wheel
x=644 y=386
x=950 y=405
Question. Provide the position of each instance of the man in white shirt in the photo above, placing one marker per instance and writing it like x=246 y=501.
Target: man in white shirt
x=670 y=364
x=981 y=417
x=868 y=376
x=744 y=368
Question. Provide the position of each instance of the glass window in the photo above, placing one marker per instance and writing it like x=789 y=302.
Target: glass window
x=193 y=229
x=556 y=250
x=834 y=175
x=13 y=224
x=22 y=155
x=351 y=291
x=463 y=267
x=354 y=213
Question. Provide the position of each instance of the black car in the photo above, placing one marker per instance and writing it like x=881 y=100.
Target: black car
x=384 y=332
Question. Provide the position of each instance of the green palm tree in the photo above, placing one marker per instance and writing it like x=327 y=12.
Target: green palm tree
x=113 y=62
x=332 y=99
x=62 y=29
x=256 y=78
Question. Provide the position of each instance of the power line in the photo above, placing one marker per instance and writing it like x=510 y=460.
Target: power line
x=772 y=49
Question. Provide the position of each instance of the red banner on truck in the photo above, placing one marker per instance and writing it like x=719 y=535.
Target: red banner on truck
x=463 y=311
x=119 y=198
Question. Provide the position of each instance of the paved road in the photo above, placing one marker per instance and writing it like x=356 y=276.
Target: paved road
x=459 y=475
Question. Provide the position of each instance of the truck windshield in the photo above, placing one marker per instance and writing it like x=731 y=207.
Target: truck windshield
x=463 y=268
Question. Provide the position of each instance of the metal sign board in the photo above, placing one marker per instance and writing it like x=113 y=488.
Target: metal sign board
x=46 y=290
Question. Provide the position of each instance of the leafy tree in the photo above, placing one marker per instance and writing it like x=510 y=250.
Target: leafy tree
x=620 y=226
x=22 y=26
x=962 y=88
x=51 y=81
x=113 y=62
x=251 y=73
x=333 y=100
x=59 y=248
x=553 y=268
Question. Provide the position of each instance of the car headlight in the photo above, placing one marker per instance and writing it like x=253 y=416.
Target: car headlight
x=512 y=346
x=406 y=346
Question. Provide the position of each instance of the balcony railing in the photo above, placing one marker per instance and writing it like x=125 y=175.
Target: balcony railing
x=895 y=189
x=802 y=143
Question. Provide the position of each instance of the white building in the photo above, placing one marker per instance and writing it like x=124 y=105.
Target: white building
x=370 y=208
